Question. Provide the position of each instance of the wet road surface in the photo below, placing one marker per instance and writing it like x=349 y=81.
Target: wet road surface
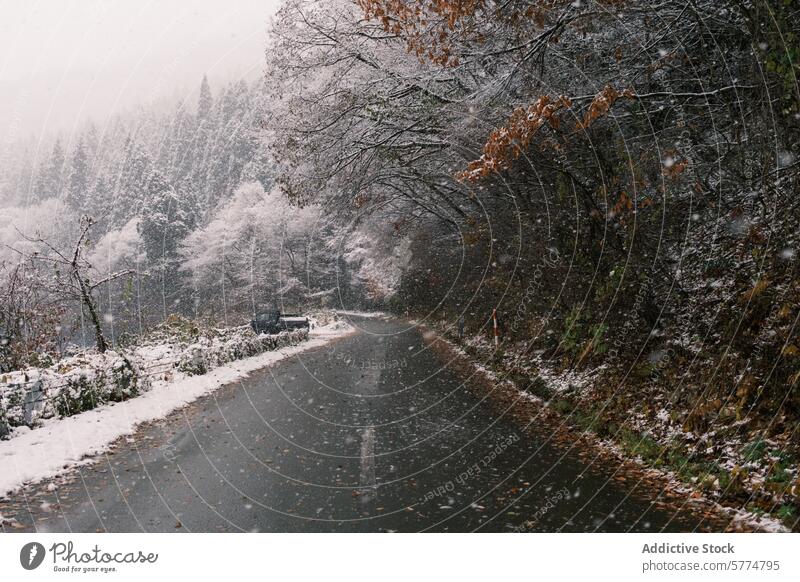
x=369 y=433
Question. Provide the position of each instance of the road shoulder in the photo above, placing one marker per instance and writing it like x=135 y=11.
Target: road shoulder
x=538 y=419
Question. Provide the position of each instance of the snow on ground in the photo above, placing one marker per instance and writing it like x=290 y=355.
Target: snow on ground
x=44 y=452
x=366 y=314
x=560 y=382
x=763 y=523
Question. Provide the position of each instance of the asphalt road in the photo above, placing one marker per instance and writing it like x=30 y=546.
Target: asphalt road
x=370 y=433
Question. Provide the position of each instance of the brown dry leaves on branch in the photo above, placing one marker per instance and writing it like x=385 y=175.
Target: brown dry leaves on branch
x=426 y=26
x=674 y=164
x=429 y=26
x=507 y=143
x=601 y=104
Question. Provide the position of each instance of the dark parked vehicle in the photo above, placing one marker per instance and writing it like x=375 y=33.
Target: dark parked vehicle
x=276 y=322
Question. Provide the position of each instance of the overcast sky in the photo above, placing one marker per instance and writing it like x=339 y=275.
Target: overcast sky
x=65 y=61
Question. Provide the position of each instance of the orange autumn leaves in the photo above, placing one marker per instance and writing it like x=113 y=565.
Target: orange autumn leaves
x=426 y=26
x=602 y=103
x=400 y=15
x=429 y=26
x=508 y=142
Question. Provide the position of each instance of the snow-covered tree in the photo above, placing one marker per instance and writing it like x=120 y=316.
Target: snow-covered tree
x=78 y=190
x=253 y=254
x=73 y=277
x=51 y=176
x=163 y=225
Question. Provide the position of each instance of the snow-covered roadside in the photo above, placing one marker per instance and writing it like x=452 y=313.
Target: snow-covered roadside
x=364 y=314
x=65 y=443
x=88 y=379
x=741 y=518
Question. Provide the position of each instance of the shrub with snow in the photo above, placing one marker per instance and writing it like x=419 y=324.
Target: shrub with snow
x=85 y=381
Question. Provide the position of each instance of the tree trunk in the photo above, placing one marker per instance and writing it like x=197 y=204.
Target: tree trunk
x=86 y=298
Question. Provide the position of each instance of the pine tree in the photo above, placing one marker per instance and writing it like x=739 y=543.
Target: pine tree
x=240 y=141
x=206 y=102
x=91 y=139
x=50 y=182
x=132 y=185
x=163 y=226
x=200 y=155
x=102 y=202
x=78 y=183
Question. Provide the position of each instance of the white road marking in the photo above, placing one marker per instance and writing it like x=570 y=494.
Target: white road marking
x=368 y=480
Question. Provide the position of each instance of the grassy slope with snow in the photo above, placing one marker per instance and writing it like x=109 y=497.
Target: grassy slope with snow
x=650 y=444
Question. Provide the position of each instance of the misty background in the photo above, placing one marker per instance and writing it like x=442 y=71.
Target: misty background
x=65 y=61
x=131 y=137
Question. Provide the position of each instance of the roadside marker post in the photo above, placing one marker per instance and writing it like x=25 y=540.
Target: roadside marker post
x=496 y=332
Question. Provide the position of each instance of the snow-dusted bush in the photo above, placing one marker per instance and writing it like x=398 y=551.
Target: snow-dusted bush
x=111 y=377
x=87 y=380
x=68 y=387
x=241 y=342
